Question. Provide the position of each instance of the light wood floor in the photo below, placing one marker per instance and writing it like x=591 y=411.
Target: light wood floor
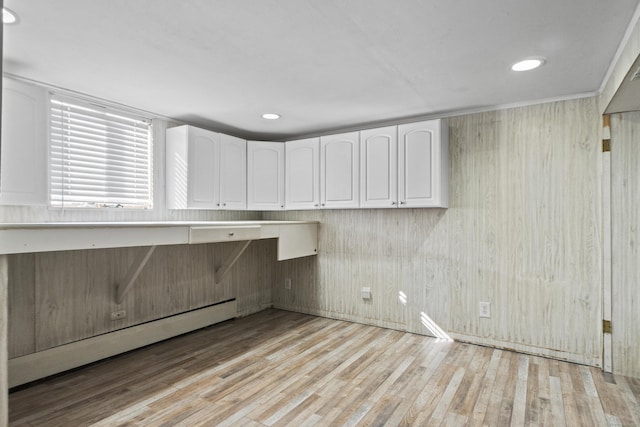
x=282 y=368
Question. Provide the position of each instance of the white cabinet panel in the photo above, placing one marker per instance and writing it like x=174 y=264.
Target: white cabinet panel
x=24 y=144
x=191 y=178
x=405 y=166
x=422 y=164
x=203 y=182
x=378 y=167
x=265 y=175
x=302 y=175
x=233 y=172
x=297 y=240
x=205 y=170
x=339 y=171
x=394 y=166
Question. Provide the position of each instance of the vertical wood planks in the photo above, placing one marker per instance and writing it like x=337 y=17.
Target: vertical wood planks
x=22 y=309
x=523 y=231
x=60 y=297
x=625 y=238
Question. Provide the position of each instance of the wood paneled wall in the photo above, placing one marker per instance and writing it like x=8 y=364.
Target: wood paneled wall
x=625 y=239
x=60 y=297
x=522 y=232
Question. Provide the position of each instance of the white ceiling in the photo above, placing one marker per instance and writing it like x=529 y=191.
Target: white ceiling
x=323 y=65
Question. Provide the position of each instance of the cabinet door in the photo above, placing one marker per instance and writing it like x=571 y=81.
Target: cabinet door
x=378 y=168
x=233 y=173
x=265 y=175
x=302 y=175
x=24 y=144
x=422 y=155
x=203 y=183
x=191 y=177
x=339 y=171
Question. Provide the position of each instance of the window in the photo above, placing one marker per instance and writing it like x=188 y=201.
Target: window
x=100 y=157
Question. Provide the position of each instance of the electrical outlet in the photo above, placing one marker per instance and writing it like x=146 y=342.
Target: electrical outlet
x=365 y=293
x=287 y=283
x=117 y=315
x=484 y=309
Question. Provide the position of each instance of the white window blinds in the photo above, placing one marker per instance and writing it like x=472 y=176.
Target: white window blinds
x=99 y=157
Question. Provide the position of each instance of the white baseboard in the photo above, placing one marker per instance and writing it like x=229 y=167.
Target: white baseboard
x=38 y=365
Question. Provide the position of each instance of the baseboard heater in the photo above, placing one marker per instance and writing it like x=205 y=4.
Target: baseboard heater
x=31 y=367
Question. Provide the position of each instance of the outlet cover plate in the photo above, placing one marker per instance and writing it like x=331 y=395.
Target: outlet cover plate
x=484 y=309
x=117 y=315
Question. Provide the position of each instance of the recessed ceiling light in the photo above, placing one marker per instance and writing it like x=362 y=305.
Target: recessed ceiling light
x=9 y=16
x=527 y=64
x=271 y=116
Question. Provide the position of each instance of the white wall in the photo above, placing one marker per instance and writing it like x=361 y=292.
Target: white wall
x=158 y=213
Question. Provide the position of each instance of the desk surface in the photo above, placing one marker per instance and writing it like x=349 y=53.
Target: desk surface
x=40 y=225
x=295 y=238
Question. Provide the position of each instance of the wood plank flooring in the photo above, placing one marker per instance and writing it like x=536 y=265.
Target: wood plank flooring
x=279 y=368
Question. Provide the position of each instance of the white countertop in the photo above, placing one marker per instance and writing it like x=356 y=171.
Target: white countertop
x=295 y=238
x=18 y=225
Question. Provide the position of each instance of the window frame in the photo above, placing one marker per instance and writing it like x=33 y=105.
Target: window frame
x=98 y=106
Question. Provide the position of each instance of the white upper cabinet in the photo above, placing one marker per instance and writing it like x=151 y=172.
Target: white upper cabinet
x=24 y=145
x=339 y=171
x=404 y=166
x=191 y=178
x=265 y=175
x=302 y=176
x=423 y=158
x=233 y=172
x=378 y=167
x=205 y=170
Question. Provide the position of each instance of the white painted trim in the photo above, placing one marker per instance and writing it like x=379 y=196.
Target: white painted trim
x=221 y=272
x=134 y=271
x=38 y=365
x=446 y=114
x=4 y=316
x=606 y=258
x=91 y=98
x=500 y=107
x=623 y=43
x=298 y=237
x=325 y=132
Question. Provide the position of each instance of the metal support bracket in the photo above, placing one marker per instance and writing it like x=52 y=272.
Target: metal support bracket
x=231 y=259
x=133 y=273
